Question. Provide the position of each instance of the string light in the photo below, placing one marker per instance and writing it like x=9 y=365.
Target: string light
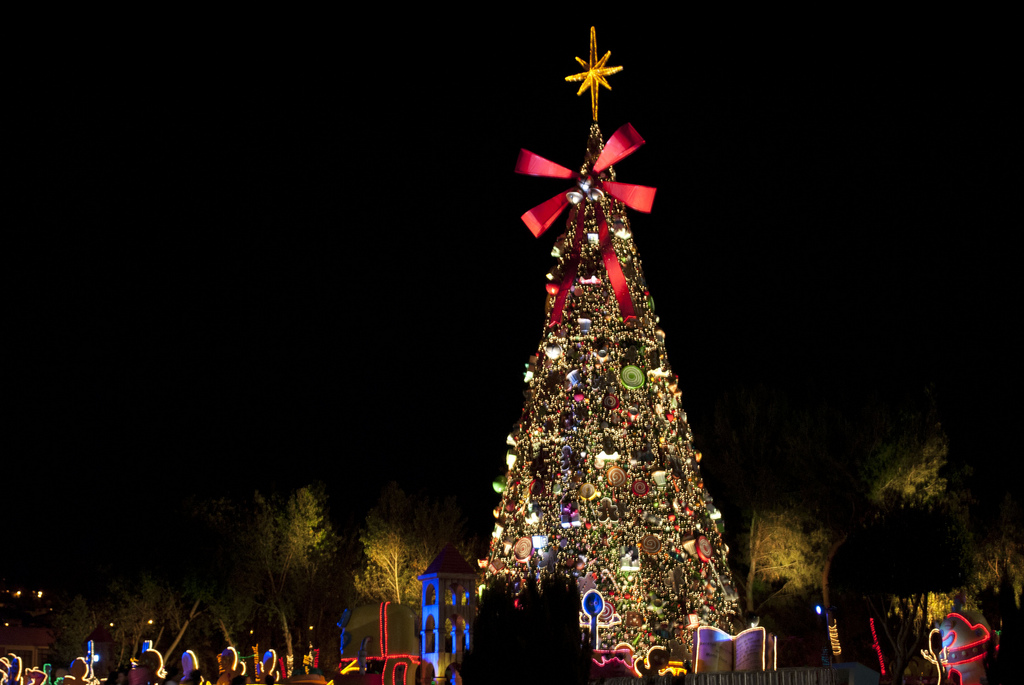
x=878 y=649
x=833 y=635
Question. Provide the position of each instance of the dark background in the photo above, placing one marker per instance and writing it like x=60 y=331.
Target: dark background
x=253 y=258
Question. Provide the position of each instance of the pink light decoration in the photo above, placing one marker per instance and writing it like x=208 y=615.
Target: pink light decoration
x=878 y=649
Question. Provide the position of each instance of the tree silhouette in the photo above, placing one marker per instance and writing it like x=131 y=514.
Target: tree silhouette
x=530 y=635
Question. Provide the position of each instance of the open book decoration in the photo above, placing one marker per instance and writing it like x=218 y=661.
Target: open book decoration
x=717 y=650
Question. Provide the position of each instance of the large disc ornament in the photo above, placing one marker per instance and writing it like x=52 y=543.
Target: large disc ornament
x=523 y=549
x=640 y=487
x=703 y=548
x=632 y=377
x=616 y=477
x=650 y=544
x=588 y=491
x=610 y=401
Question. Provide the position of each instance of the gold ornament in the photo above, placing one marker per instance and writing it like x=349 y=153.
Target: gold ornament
x=595 y=73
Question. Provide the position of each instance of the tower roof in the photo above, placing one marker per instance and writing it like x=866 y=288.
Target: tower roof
x=449 y=563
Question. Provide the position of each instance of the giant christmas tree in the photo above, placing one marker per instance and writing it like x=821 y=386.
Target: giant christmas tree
x=603 y=481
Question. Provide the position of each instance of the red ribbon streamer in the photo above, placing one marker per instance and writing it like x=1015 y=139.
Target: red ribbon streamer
x=611 y=265
x=570 y=273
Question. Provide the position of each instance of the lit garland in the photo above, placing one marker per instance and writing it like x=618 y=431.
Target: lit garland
x=878 y=648
x=603 y=479
x=931 y=657
x=833 y=636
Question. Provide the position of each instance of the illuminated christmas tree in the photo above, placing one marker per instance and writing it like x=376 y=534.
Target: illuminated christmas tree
x=603 y=481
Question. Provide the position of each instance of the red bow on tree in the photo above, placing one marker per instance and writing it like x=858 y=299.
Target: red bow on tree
x=622 y=144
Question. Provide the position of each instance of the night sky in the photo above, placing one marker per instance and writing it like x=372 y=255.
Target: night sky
x=259 y=261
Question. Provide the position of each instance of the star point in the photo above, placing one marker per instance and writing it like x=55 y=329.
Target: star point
x=595 y=73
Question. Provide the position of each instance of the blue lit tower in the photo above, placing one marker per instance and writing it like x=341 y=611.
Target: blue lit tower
x=449 y=607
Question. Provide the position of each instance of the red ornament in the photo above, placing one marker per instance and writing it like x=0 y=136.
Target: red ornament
x=704 y=550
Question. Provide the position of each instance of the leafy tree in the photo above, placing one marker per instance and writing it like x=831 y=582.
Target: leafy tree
x=137 y=610
x=293 y=543
x=807 y=478
x=542 y=620
x=401 y=537
x=896 y=560
x=387 y=543
x=1001 y=550
x=72 y=626
x=857 y=470
x=747 y=451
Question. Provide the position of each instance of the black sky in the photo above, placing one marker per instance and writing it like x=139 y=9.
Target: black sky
x=253 y=261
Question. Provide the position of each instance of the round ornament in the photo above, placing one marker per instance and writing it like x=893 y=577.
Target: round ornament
x=523 y=549
x=588 y=491
x=632 y=377
x=607 y=612
x=650 y=544
x=640 y=487
x=610 y=401
x=703 y=548
x=616 y=477
x=553 y=350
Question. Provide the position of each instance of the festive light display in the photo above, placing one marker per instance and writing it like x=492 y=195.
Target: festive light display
x=80 y=673
x=878 y=648
x=37 y=676
x=150 y=658
x=10 y=670
x=230 y=666
x=833 y=636
x=268 y=665
x=965 y=642
x=602 y=478
x=384 y=634
x=931 y=657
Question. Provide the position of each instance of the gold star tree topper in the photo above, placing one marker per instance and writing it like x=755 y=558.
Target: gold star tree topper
x=595 y=73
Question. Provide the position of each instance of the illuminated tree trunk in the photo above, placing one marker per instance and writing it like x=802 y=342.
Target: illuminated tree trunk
x=827 y=569
x=752 y=573
x=287 y=636
x=181 y=632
